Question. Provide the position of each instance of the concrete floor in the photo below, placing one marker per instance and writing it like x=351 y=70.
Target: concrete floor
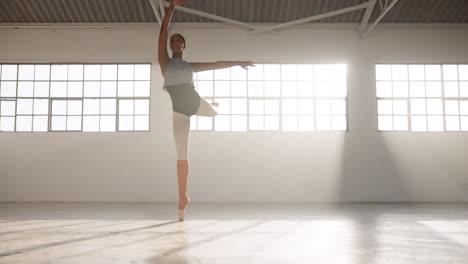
x=351 y=233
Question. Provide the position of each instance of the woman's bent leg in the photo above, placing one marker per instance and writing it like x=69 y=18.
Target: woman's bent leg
x=206 y=108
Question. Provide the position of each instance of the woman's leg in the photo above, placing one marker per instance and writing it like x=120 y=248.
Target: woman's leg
x=181 y=125
x=206 y=108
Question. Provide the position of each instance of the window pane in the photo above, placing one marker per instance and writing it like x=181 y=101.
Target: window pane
x=323 y=72
x=59 y=72
x=7 y=123
x=339 y=89
x=272 y=88
x=26 y=72
x=272 y=107
x=7 y=108
x=400 y=72
x=272 y=71
x=125 y=89
x=222 y=123
x=59 y=107
x=463 y=72
x=9 y=72
x=464 y=123
x=323 y=107
x=238 y=88
x=238 y=73
x=384 y=89
x=289 y=88
x=463 y=89
x=338 y=107
x=288 y=72
x=255 y=89
x=464 y=107
x=143 y=72
x=418 y=106
x=205 y=123
x=434 y=106
x=290 y=123
x=125 y=72
x=433 y=89
x=305 y=72
x=75 y=89
x=41 y=72
x=92 y=72
x=205 y=88
x=91 y=123
x=141 y=107
x=142 y=123
x=400 y=107
x=418 y=123
x=224 y=106
x=40 y=123
x=41 y=106
x=322 y=88
x=400 y=89
x=107 y=123
x=400 y=123
x=417 y=89
x=8 y=89
x=91 y=107
x=306 y=106
x=74 y=123
x=239 y=106
x=75 y=72
x=339 y=123
x=255 y=73
x=109 y=72
x=222 y=88
x=384 y=107
x=385 y=123
x=239 y=123
x=222 y=74
x=142 y=89
x=306 y=123
x=450 y=72
x=383 y=72
x=126 y=107
x=451 y=89
x=25 y=89
x=256 y=122
x=205 y=75
x=108 y=107
x=323 y=122
x=125 y=123
x=25 y=107
x=433 y=72
x=452 y=123
x=416 y=72
x=58 y=89
x=435 y=123
x=256 y=107
x=305 y=88
x=451 y=107
x=41 y=89
x=59 y=123
x=74 y=107
x=24 y=123
x=289 y=106
x=272 y=123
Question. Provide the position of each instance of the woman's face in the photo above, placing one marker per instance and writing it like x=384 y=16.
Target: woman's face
x=177 y=44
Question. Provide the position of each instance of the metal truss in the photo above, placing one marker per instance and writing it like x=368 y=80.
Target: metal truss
x=364 y=28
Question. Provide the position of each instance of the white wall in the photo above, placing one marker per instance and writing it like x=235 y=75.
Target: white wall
x=359 y=165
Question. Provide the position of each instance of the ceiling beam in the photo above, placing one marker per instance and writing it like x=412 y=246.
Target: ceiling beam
x=211 y=16
x=367 y=15
x=155 y=11
x=378 y=19
x=312 y=18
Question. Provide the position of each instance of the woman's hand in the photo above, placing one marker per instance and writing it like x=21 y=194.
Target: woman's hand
x=245 y=64
x=180 y=2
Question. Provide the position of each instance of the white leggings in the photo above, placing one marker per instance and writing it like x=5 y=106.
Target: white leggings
x=181 y=125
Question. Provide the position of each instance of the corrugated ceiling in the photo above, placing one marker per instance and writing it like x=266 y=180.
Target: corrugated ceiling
x=249 y=11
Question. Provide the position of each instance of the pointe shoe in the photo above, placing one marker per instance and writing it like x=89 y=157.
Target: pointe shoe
x=183 y=212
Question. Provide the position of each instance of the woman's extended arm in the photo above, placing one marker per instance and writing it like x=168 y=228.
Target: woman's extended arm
x=205 y=66
x=163 y=56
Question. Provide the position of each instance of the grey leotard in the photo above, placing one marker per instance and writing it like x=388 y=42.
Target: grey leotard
x=178 y=82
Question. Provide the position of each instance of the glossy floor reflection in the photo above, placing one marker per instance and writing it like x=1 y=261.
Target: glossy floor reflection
x=346 y=233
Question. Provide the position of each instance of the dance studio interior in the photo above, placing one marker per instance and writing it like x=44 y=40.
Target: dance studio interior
x=317 y=131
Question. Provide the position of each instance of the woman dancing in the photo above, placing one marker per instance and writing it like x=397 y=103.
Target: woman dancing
x=178 y=82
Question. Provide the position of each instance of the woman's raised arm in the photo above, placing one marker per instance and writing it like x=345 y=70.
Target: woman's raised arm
x=163 y=56
x=205 y=66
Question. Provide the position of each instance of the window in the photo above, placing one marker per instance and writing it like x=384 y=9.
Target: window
x=275 y=97
x=74 y=97
x=422 y=97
